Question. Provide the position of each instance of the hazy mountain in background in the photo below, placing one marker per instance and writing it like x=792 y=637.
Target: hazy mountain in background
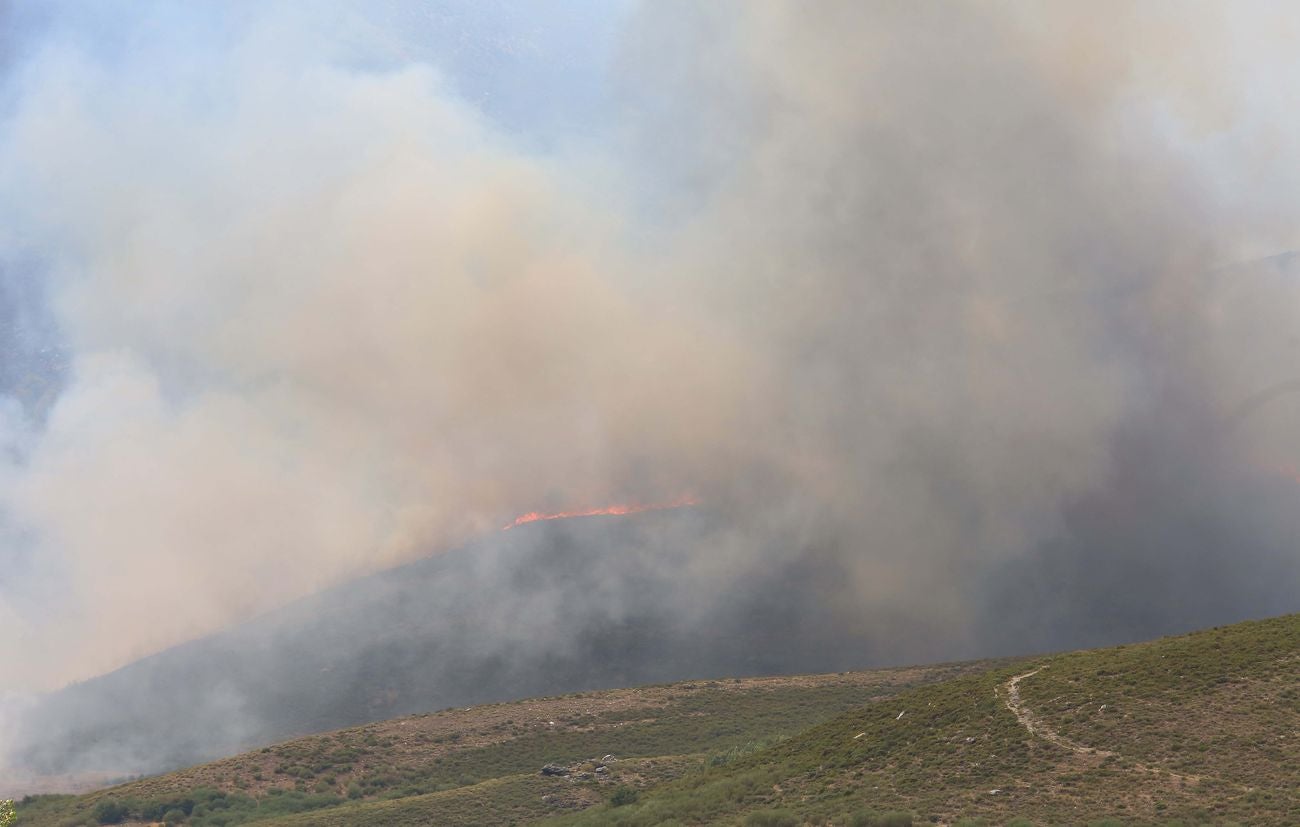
x=545 y=608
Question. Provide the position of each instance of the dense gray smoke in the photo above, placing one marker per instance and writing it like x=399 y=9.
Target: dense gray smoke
x=961 y=312
x=974 y=253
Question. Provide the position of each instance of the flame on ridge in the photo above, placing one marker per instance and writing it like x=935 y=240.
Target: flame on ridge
x=683 y=501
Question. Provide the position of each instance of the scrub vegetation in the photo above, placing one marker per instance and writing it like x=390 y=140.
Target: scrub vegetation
x=1193 y=730
x=487 y=758
x=1198 y=729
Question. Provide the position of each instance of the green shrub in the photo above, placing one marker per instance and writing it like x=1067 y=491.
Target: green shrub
x=110 y=812
x=771 y=818
x=866 y=818
x=623 y=796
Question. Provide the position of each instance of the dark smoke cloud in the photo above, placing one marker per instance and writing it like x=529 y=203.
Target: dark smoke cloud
x=976 y=261
x=927 y=301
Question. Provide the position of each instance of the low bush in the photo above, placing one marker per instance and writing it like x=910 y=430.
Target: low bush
x=623 y=796
x=869 y=819
x=771 y=818
x=110 y=812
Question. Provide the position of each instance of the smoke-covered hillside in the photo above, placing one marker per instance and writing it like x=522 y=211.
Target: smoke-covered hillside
x=564 y=606
x=542 y=609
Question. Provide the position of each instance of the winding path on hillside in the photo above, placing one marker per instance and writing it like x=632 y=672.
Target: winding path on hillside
x=1010 y=692
x=1031 y=722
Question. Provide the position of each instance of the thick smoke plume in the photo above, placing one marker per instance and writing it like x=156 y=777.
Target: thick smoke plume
x=943 y=299
x=974 y=250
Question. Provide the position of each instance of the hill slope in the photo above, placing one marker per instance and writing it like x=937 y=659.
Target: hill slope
x=487 y=759
x=1196 y=729
x=543 y=609
x=1203 y=728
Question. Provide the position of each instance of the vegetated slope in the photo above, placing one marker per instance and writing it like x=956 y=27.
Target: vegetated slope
x=1203 y=728
x=471 y=766
x=543 y=609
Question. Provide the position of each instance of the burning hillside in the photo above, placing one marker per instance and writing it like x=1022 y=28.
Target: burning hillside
x=619 y=510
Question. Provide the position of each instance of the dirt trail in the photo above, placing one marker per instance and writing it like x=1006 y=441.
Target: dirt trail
x=1038 y=728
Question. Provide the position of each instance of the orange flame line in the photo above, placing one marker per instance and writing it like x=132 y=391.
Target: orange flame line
x=608 y=511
